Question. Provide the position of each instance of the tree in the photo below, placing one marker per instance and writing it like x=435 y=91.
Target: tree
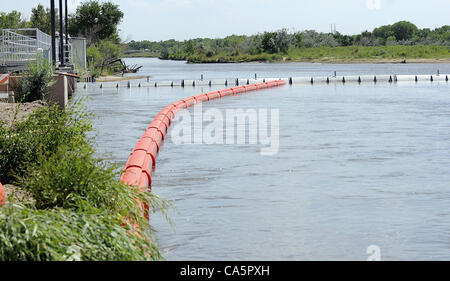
x=189 y=47
x=404 y=30
x=268 y=42
x=383 y=33
x=96 y=21
x=343 y=40
x=41 y=19
x=282 y=40
x=11 y=20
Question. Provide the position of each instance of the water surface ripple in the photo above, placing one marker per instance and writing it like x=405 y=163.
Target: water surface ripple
x=358 y=165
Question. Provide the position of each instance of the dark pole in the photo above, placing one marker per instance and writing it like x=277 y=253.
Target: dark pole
x=67 y=28
x=53 y=27
x=61 y=33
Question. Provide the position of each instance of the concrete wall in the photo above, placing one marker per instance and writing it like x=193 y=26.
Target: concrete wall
x=60 y=92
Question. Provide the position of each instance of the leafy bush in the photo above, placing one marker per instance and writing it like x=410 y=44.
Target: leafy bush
x=41 y=134
x=100 y=55
x=36 y=80
x=79 y=205
x=312 y=39
x=27 y=234
x=74 y=179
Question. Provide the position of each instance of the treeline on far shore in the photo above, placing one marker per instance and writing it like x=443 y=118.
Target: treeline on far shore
x=402 y=40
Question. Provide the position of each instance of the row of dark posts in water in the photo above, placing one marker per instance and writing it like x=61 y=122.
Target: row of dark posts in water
x=236 y=82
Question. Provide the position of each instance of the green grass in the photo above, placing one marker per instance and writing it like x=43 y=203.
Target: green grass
x=354 y=53
x=29 y=234
x=141 y=55
x=322 y=54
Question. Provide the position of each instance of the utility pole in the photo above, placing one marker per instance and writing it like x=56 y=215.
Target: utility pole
x=53 y=30
x=61 y=33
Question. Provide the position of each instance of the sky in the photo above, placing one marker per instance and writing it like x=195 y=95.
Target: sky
x=157 y=20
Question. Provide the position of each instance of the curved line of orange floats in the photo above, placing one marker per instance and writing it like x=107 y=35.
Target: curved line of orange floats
x=142 y=161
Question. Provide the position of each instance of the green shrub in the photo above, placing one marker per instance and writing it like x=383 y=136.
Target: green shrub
x=41 y=134
x=78 y=202
x=73 y=178
x=36 y=80
x=27 y=234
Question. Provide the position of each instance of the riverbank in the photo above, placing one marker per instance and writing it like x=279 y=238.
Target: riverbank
x=113 y=78
x=58 y=189
x=348 y=54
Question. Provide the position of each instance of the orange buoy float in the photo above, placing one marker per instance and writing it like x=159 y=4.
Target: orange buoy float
x=2 y=195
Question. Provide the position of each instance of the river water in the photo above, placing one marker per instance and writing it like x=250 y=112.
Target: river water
x=358 y=165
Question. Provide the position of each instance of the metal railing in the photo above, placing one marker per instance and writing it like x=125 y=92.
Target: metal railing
x=21 y=45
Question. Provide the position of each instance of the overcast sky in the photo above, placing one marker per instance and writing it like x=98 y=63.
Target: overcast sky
x=183 y=19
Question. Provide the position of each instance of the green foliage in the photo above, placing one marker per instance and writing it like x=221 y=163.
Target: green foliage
x=42 y=133
x=93 y=56
x=383 y=32
x=41 y=19
x=268 y=42
x=11 y=20
x=277 y=42
x=261 y=47
x=36 y=80
x=404 y=30
x=80 y=206
x=96 y=21
x=368 y=53
x=312 y=39
x=27 y=234
x=100 y=54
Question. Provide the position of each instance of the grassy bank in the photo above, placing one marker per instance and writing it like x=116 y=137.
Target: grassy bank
x=375 y=54
x=76 y=207
x=348 y=54
x=397 y=42
x=141 y=55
